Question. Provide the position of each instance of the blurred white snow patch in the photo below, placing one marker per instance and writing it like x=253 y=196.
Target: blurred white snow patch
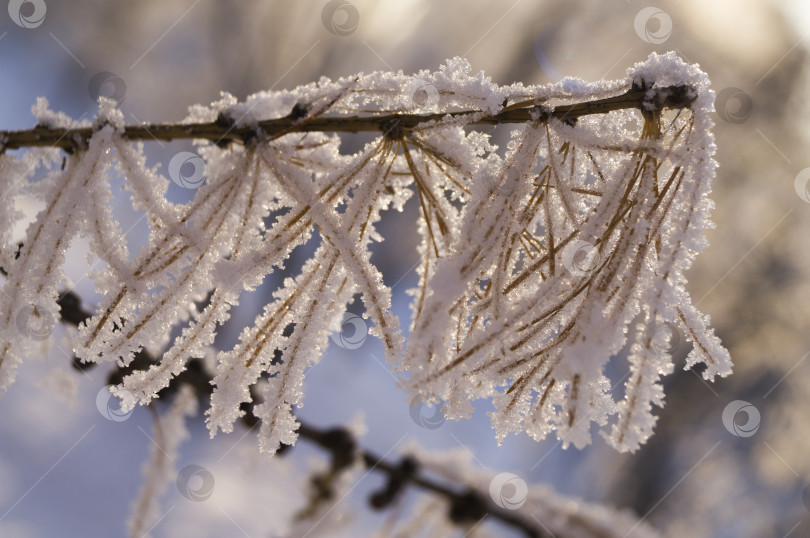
x=243 y=480
x=46 y=420
x=62 y=385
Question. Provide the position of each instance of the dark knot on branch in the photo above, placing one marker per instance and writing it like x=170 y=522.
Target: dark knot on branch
x=398 y=478
x=658 y=98
x=392 y=129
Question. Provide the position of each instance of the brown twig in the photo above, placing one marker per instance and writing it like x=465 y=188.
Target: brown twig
x=224 y=132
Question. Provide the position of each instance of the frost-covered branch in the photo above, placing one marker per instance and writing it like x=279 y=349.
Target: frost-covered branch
x=541 y=263
x=169 y=431
x=299 y=120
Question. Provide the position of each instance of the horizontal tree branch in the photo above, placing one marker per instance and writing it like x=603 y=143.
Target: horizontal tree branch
x=223 y=131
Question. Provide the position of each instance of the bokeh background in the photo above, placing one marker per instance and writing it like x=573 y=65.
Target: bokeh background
x=66 y=470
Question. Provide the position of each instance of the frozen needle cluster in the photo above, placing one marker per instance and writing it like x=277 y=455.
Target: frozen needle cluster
x=541 y=262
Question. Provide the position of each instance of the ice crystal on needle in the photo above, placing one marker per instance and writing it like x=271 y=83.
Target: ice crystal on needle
x=540 y=263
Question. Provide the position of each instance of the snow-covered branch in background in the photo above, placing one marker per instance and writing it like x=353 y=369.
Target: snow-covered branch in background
x=540 y=263
x=159 y=472
x=552 y=514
